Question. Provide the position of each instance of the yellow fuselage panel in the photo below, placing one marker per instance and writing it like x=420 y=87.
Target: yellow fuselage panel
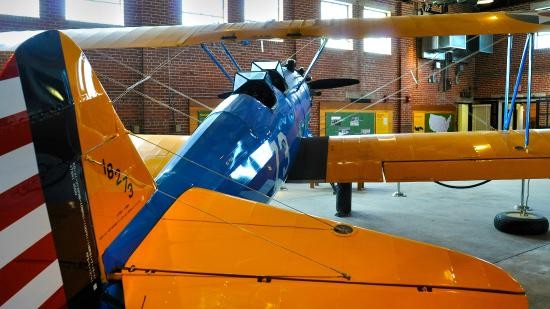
x=438 y=156
x=205 y=231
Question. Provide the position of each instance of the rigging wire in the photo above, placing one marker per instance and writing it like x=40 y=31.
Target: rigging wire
x=260 y=278
x=202 y=166
x=232 y=180
x=261 y=237
x=309 y=42
x=401 y=77
x=147 y=97
x=408 y=87
x=149 y=77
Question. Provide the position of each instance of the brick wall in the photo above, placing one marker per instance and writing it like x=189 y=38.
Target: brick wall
x=490 y=75
x=190 y=71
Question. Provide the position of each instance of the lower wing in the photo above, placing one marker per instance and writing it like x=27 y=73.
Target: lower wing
x=423 y=157
x=211 y=249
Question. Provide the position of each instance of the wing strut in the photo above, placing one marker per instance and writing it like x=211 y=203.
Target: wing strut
x=527 y=53
x=216 y=61
x=313 y=61
x=230 y=56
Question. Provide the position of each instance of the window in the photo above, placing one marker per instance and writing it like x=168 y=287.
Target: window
x=203 y=12
x=109 y=12
x=337 y=10
x=255 y=10
x=542 y=40
x=29 y=8
x=376 y=45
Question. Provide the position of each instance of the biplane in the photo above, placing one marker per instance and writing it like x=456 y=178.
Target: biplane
x=94 y=215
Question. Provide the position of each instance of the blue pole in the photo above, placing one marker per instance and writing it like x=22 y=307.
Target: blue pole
x=216 y=62
x=516 y=87
x=230 y=56
x=529 y=72
x=507 y=87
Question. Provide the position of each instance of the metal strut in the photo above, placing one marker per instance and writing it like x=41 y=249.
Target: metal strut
x=216 y=61
x=507 y=87
x=313 y=61
x=510 y=113
x=529 y=75
x=230 y=56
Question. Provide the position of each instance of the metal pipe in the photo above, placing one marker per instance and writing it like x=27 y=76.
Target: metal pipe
x=507 y=87
x=529 y=74
x=216 y=62
x=516 y=87
x=230 y=56
x=522 y=192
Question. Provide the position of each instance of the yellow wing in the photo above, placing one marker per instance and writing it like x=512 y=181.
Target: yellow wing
x=214 y=250
x=425 y=157
x=355 y=28
x=157 y=150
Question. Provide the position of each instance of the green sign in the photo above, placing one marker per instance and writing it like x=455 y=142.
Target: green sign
x=349 y=123
x=201 y=115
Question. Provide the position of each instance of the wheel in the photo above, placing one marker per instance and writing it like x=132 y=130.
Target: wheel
x=513 y=222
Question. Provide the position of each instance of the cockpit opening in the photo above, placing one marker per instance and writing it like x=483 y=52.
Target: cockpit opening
x=256 y=84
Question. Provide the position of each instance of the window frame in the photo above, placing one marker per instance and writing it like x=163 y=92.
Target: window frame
x=365 y=40
x=546 y=44
x=225 y=14
x=33 y=13
x=280 y=12
x=339 y=44
x=91 y=20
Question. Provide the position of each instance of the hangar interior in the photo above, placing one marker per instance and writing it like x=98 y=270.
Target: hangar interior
x=406 y=85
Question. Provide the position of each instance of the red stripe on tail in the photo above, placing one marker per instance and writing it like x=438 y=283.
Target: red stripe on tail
x=10 y=69
x=21 y=270
x=57 y=300
x=15 y=132
x=18 y=201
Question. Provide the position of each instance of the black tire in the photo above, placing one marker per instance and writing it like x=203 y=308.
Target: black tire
x=512 y=222
x=343 y=200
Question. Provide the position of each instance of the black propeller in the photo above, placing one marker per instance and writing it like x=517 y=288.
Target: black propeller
x=330 y=83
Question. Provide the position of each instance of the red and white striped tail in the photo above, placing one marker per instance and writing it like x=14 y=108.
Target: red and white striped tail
x=29 y=266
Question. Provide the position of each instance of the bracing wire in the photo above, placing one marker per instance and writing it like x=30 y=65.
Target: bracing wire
x=232 y=180
x=243 y=229
x=149 y=77
x=408 y=87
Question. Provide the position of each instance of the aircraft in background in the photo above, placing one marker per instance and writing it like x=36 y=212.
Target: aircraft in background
x=95 y=215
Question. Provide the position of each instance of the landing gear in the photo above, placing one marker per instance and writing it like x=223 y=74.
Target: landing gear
x=343 y=200
x=521 y=221
x=399 y=193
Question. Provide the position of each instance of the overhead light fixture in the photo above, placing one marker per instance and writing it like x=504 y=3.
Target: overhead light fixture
x=481 y=2
x=545 y=8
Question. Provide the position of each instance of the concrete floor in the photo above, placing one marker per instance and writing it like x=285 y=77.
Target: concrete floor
x=458 y=219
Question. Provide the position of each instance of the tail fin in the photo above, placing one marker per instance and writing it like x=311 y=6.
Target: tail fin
x=71 y=178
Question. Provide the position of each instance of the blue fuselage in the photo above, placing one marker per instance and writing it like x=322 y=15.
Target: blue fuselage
x=243 y=148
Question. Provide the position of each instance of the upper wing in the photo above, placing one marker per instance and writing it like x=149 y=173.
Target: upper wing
x=355 y=28
x=214 y=250
x=424 y=157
